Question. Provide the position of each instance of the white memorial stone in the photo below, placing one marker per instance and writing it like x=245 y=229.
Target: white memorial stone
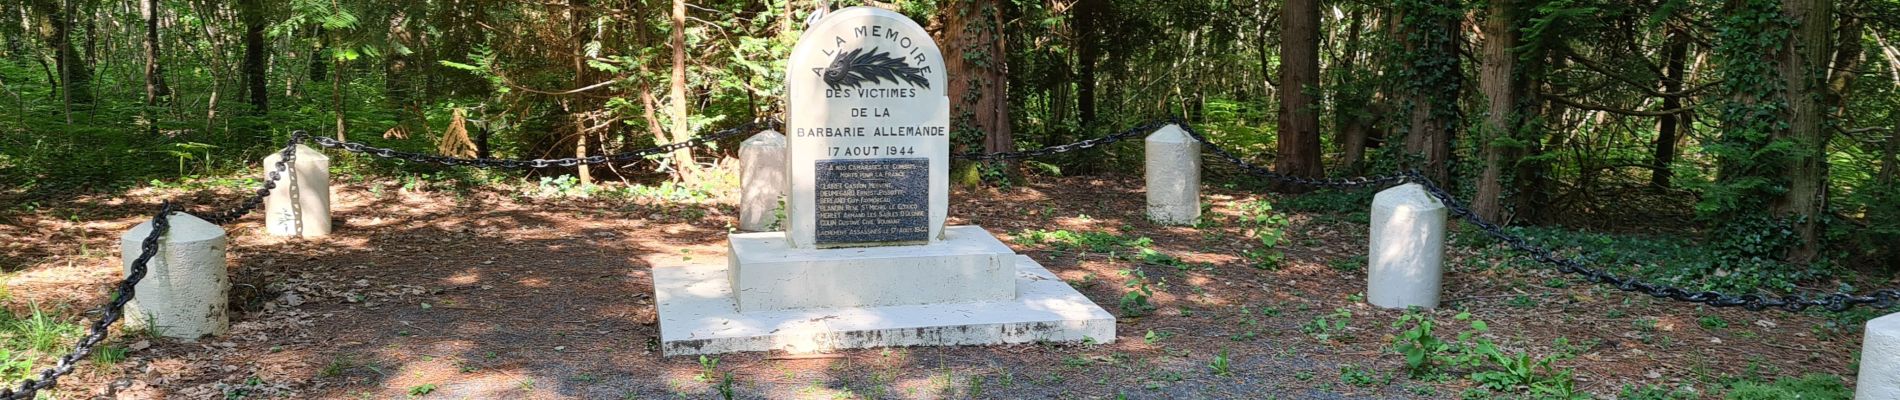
x=1879 y=377
x=300 y=205
x=184 y=289
x=1173 y=176
x=868 y=133
x=762 y=180
x=866 y=260
x=1407 y=254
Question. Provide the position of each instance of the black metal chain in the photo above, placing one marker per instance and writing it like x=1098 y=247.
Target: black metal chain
x=115 y=309
x=1331 y=183
x=537 y=163
x=1881 y=299
x=282 y=170
x=1058 y=149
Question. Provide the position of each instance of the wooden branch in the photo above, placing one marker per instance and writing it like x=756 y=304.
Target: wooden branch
x=1645 y=87
x=1613 y=110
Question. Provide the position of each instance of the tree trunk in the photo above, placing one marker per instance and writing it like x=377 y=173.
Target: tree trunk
x=1431 y=45
x=154 y=78
x=1803 y=65
x=256 y=51
x=978 y=88
x=320 y=58
x=1299 y=149
x=1889 y=160
x=578 y=112
x=1350 y=106
x=154 y=75
x=1671 y=126
x=55 y=29
x=1503 y=84
x=1089 y=15
x=682 y=131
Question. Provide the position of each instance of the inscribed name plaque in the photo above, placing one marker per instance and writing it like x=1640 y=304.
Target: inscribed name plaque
x=868 y=149
x=873 y=201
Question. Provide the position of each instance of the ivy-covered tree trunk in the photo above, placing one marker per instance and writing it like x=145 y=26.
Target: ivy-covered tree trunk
x=1351 y=99
x=1503 y=84
x=1773 y=170
x=973 y=49
x=1433 y=81
x=1299 y=150
x=1804 y=65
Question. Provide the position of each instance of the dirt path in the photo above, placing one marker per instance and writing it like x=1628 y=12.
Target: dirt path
x=487 y=295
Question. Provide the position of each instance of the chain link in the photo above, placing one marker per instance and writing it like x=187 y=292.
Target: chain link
x=280 y=171
x=1330 y=183
x=1881 y=299
x=115 y=309
x=1064 y=148
x=623 y=157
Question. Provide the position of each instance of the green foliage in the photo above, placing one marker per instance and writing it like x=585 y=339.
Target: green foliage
x=1653 y=392
x=1221 y=365
x=708 y=369
x=1811 y=386
x=1431 y=358
x=1663 y=258
x=1425 y=354
x=1135 y=303
x=1267 y=226
x=1328 y=326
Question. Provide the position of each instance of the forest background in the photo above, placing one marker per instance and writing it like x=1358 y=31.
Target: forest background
x=1735 y=144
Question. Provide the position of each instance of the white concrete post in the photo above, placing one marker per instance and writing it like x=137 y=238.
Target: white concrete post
x=184 y=289
x=1174 y=176
x=1407 y=250
x=1880 y=360
x=300 y=205
x=762 y=180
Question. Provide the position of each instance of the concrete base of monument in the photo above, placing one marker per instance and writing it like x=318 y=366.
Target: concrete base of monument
x=698 y=315
x=968 y=265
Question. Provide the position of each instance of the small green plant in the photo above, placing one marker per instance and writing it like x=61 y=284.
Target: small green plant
x=108 y=354
x=1268 y=227
x=1355 y=375
x=1135 y=302
x=1424 y=353
x=1522 y=301
x=708 y=369
x=1349 y=265
x=1712 y=323
x=14 y=367
x=1150 y=256
x=1810 y=386
x=1153 y=337
x=1221 y=365
x=725 y=387
x=42 y=332
x=421 y=390
x=1329 y=326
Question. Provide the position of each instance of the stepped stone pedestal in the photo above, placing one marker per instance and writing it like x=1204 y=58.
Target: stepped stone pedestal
x=804 y=301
